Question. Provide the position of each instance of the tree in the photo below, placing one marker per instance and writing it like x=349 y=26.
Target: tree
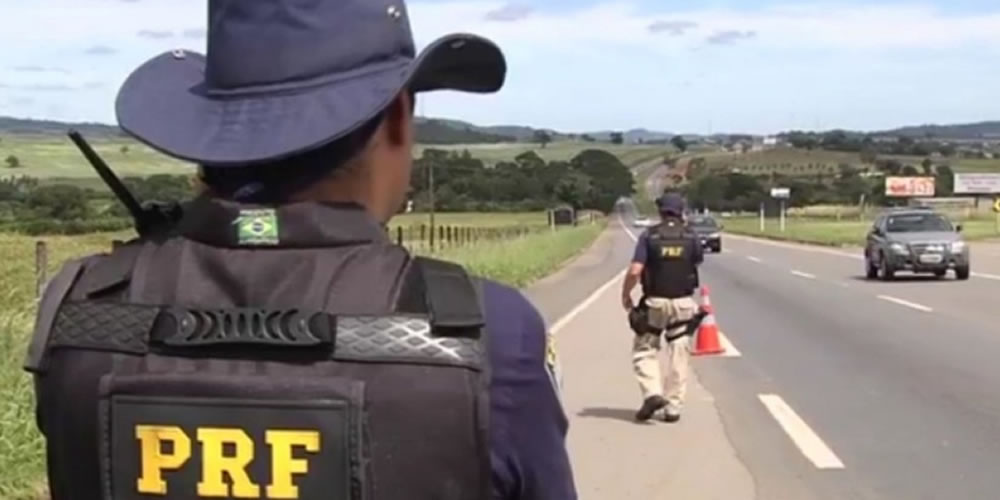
x=13 y=162
x=587 y=138
x=947 y=150
x=928 y=166
x=610 y=178
x=617 y=138
x=542 y=137
x=529 y=159
x=59 y=202
x=123 y=150
x=910 y=170
x=944 y=181
x=679 y=143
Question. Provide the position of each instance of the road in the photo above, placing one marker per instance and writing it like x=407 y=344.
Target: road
x=834 y=387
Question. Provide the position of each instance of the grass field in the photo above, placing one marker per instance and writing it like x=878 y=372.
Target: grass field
x=791 y=161
x=517 y=262
x=57 y=159
x=832 y=232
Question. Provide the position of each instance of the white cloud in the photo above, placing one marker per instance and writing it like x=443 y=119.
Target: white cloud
x=551 y=54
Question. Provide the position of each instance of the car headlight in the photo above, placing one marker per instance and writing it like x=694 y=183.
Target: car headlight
x=712 y=236
x=957 y=246
x=899 y=248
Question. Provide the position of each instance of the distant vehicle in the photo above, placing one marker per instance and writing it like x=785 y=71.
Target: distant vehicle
x=642 y=222
x=919 y=240
x=709 y=231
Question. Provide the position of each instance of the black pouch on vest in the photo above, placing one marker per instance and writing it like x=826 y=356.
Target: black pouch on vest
x=199 y=434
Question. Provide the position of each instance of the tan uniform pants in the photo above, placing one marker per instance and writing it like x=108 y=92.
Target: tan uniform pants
x=646 y=348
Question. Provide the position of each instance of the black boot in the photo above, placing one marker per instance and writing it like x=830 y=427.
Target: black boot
x=649 y=407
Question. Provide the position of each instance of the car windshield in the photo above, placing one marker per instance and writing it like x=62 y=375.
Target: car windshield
x=704 y=223
x=912 y=223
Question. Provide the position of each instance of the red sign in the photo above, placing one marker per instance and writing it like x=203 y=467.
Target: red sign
x=909 y=186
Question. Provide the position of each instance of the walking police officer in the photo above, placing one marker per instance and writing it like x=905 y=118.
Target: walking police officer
x=274 y=343
x=666 y=261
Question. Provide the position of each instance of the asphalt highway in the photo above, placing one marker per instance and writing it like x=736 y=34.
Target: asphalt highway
x=833 y=387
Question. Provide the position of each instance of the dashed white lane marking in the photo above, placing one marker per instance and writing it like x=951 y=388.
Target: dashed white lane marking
x=912 y=305
x=808 y=442
x=809 y=248
x=804 y=275
x=751 y=258
x=730 y=350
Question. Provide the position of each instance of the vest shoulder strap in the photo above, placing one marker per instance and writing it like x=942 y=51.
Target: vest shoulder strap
x=52 y=298
x=444 y=291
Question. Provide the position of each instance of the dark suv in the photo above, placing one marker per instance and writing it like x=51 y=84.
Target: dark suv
x=707 y=230
x=918 y=240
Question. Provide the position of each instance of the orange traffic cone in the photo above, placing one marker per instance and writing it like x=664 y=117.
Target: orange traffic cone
x=707 y=341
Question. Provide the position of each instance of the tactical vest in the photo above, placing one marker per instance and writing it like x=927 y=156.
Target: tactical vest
x=177 y=369
x=670 y=271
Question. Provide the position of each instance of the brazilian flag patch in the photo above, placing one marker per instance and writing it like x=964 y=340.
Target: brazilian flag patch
x=257 y=227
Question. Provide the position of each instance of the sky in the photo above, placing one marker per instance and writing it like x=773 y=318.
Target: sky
x=751 y=66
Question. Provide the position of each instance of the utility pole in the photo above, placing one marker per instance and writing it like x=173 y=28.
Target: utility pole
x=430 y=177
x=430 y=191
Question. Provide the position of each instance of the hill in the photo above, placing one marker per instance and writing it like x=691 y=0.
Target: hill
x=981 y=130
x=429 y=131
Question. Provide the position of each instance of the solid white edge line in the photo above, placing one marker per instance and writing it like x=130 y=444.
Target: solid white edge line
x=566 y=318
x=912 y=305
x=807 y=441
x=729 y=350
x=753 y=259
x=987 y=276
x=803 y=275
x=563 y=321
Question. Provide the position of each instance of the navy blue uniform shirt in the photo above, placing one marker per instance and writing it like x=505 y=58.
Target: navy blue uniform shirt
x=528 y=426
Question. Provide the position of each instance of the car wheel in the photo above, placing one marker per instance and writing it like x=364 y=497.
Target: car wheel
x=886 y=270
x=871 y=272
x=962 y=273
x=940 y=273
x=717 y=248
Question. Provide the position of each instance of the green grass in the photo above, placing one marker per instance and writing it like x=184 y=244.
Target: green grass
x=56 y=159
x=521 y=261
x=791 y=161
x=518 y=262
x=834 y=233
x=477 y=219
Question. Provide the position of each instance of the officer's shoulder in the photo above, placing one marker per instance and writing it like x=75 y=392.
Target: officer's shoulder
x=512 y=321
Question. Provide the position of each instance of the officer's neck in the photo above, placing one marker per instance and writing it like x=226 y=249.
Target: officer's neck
x=355 y=189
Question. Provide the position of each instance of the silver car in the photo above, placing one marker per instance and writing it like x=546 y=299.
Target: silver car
x=918 y=240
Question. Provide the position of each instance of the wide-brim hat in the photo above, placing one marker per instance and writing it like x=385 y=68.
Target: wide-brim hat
x=282 y=77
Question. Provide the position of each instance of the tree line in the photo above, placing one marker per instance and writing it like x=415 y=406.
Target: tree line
x=593 y=179
x=730 y=190
x=867 y=145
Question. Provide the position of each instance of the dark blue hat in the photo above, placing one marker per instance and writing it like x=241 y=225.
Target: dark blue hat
x=282 y=77
x=671 y=203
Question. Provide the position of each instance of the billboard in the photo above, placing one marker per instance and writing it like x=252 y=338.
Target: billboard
x=909 y=186
x=780 y=192
x=977 y=183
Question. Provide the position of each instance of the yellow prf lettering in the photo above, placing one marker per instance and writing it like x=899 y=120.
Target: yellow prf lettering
x=154 y=461
x=671 y=251
x=214 y=464
x=283 y=465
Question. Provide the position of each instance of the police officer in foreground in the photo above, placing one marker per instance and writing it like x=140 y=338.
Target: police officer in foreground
x=274 y=343
x=666 y=261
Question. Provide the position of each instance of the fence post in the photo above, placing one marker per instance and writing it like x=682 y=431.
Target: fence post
x=448 y=235
x=431 y=239
x=41 y=267
x=399 y=235
x=441 y=235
